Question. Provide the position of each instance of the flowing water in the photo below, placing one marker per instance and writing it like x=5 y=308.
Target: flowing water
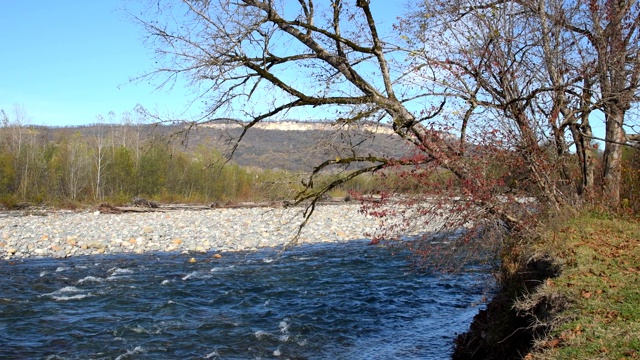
x=335 y=301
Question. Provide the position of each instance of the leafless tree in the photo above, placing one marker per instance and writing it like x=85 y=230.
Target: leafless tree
x=21 y=138
x=262 y=60
x=547 y=66
x=610 y=27
x=489 y=60
x=100 y=155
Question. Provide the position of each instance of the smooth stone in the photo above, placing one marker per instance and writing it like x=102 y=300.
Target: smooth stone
x=96 y=245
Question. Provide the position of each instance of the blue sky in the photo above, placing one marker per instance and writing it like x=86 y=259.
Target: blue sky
x=65 y=62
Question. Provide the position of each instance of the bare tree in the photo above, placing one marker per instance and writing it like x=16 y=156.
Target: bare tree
x=572 y=88
x=262 y=60
x=100 y=155
x=611 y=29
x=547 y=66
x=21 y=146
x=77 y=165
x=489 y=61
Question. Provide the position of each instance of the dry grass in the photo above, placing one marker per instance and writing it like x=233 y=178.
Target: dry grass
x=601 y=279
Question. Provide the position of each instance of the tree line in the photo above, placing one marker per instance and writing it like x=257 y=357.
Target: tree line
x=115 y=162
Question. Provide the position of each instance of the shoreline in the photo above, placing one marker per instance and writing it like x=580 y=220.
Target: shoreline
x=62 y=234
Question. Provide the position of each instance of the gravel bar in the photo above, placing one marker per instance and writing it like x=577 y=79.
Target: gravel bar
x=62 y=234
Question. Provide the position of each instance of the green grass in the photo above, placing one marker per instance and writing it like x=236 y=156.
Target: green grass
x=601 y=279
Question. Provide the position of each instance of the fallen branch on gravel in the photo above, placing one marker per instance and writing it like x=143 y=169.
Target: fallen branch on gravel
x=110 y=209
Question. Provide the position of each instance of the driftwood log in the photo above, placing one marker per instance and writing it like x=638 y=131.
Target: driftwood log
x=110 y=209
x=143 y=205
x=141 y=202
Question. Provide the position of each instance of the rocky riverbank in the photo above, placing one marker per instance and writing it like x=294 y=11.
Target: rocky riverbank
x=67 y=233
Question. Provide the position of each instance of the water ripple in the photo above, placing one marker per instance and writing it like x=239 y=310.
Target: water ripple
x=338 y=301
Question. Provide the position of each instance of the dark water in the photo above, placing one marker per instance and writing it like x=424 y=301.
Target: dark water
x=338 y=301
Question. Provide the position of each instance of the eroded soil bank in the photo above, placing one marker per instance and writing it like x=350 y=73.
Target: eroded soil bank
x=504 y=331
x=578 y=301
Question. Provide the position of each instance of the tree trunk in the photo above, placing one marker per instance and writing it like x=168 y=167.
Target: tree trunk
x=612 y=166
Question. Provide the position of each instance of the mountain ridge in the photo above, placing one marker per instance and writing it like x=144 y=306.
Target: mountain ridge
x=291 y=145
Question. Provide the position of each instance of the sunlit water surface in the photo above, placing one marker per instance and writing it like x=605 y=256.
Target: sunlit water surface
x=336 y=301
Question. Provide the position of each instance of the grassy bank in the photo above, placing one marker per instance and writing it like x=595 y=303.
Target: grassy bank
x=600 y=283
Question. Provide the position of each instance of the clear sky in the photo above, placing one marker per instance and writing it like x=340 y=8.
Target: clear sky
x=67 y=61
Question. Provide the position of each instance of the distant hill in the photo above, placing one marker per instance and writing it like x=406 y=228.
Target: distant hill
x=296 y=145
x=287 y=145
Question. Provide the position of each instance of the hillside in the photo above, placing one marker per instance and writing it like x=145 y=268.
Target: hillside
x=289 y=145
x=176 y=162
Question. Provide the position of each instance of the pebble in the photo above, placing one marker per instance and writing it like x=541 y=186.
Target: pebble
x=67 y=233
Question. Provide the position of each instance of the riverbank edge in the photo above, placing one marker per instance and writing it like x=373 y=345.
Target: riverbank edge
x=553 y=292
x=503 y=331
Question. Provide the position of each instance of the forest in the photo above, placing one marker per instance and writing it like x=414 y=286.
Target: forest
x=115 y=162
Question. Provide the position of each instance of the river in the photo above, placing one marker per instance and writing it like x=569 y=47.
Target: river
x=328 y=301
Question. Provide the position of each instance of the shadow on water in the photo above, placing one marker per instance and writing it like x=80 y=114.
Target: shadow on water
x=335 y=301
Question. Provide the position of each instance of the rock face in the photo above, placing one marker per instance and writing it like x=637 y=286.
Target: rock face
x=297 y=145
x=300 y=126
x=66 y=233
